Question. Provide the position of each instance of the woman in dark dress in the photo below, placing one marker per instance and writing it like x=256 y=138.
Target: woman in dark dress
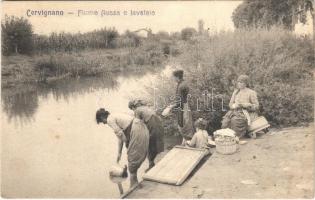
x=182 y=108
x=154 y=124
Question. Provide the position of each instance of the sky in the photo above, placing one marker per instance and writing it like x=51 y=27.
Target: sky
x=168 y=16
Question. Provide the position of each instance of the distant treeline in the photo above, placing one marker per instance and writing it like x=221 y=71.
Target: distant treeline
x=18 y=37
x=104 y=38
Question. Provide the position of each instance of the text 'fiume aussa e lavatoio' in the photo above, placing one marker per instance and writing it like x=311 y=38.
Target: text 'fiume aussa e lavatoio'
x=82 y=13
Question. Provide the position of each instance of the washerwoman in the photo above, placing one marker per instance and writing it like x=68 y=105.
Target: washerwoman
x=243 y=105
x=131 y=131
x=154 y=124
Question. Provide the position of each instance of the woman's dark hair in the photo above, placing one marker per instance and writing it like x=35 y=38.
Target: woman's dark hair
x=101 y=114
x=178 y=73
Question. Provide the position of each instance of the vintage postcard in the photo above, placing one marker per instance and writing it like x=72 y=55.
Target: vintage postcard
x=157 y=99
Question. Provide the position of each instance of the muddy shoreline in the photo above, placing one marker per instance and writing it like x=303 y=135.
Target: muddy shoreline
x=276 y=165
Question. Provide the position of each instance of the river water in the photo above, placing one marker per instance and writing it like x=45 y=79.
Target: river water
x=51 y=144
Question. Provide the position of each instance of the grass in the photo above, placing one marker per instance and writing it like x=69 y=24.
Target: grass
x=55 y=66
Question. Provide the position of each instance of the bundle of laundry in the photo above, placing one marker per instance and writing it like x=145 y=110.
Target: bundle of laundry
x=226 y=141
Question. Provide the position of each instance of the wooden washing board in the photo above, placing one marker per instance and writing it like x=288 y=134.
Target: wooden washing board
x=176 y=165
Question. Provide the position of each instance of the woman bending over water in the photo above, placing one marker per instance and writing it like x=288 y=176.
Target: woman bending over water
x=154 y=124
x=131 y=131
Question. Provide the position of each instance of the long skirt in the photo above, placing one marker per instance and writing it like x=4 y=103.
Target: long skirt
x=235 y=120
x=185 y=122
x=138 y=145
x=156 y=141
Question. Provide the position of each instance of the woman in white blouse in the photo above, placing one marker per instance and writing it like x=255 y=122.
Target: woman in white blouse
x=244 y=107
x=131 y=131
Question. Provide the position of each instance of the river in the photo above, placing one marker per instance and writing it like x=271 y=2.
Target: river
x=51 y=144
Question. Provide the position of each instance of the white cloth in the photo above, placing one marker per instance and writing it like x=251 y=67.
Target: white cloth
x=247 y=116
x=166 y=111
x=224 y=132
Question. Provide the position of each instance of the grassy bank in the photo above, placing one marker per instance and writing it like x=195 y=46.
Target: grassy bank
x=55 y=66
x=279 y=63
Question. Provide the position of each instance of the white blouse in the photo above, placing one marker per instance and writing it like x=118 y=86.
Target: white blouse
x=119 y=121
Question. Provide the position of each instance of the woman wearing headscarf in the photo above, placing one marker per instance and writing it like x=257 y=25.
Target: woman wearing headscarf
x=154 y=124
x=131 y=131
x=182 y=108
x=243 y=105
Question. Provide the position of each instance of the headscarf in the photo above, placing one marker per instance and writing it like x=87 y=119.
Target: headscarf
x=243 y=79
x=136 y=103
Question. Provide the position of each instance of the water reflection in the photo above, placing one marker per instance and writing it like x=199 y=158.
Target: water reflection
x=20 y=103
x=21 y=106
x=59 y=148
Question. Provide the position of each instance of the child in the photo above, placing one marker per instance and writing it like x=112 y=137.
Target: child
x=200 y=138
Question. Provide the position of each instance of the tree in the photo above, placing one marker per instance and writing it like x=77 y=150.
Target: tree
x=175 y=35
x=162 y=35
x=266 y=13
x=187 y=33
x=16 y=35
x=112 y=35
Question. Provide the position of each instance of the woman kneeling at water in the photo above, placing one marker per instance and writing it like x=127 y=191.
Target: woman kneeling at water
x=154 y=124
x=131 y=131
x=243 y=107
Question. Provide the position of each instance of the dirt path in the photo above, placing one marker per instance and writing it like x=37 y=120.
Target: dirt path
x=276 y=165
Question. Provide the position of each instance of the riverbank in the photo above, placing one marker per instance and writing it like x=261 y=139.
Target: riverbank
x=21 y=69
x=276 y=165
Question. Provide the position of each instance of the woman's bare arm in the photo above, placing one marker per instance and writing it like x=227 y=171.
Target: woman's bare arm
x=120 y=147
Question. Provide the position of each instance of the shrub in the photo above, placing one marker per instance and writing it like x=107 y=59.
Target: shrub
x=188 y=33
x=57 y=65
x=104 y=38
x=279 y=64
x=16 y=36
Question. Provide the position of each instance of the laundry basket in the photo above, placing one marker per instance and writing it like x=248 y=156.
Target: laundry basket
x=226 y=141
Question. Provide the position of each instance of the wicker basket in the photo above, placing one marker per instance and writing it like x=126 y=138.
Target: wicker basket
x=226 y=147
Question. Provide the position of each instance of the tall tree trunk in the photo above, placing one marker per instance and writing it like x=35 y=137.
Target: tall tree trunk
x=293 y=20
x=313 y=18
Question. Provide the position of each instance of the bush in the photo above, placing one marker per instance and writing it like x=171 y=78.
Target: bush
x=188 y=33
x=58 y=65
x=105 y=38
x=279 y=64
x=16 y=36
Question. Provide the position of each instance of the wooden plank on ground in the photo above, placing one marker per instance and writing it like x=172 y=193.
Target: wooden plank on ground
x=176 y=165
